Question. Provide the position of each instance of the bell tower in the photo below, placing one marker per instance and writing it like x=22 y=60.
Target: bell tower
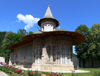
x=48 y=23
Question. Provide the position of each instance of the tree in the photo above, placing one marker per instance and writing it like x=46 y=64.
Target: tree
x=23 y=32
x=74 y=55
x=8 y=40
x=94 y=49
x=82 y=48
x=30 y=32
x=17 y=37
x=2 y=35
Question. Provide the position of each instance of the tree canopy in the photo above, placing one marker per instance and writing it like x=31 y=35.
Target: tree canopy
x=94 y=49
x=2 y=35
x=82 y=48
x=90 y=48
x=23 y=32
x=30 y=32
x=8 y=39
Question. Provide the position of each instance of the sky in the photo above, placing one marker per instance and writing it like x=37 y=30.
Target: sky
x=24 y=14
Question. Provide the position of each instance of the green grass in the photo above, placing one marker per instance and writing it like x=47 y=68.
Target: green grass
x=84 y=74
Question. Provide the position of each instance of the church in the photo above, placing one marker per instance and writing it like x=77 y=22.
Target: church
x=47 y=49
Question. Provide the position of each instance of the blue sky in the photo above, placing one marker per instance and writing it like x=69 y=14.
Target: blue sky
x=20 y=14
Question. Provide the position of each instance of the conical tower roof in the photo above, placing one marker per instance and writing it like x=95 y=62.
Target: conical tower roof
x=48 y=13
x=48 y=17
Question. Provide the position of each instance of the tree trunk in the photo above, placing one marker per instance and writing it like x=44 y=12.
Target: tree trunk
x=83 y=62
x=92 y=63
x=79 y=62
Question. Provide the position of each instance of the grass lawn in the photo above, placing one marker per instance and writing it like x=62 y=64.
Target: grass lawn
x=84 y=74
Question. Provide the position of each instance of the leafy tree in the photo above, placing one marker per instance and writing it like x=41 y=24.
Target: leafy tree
x=82 y=48
x=94 y=49
x=2 y=35
x=30 y=32
x=8 y=40
x=23 y=32
x=17 y=37
x=74 y=55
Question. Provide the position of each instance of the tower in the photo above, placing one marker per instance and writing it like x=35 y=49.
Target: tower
x=48 y=23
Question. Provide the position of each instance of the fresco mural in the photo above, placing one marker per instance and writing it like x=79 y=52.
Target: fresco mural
x=22 y=54
x=60 y=52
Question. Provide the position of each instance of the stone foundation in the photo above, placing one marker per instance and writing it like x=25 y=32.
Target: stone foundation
x=47 y=67
x=57 y=67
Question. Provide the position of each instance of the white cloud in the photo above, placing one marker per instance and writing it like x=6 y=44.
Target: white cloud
x=29 y=20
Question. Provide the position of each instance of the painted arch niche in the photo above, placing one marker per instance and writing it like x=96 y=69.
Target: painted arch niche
x=59 y=52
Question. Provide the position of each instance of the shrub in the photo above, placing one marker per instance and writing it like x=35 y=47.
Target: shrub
x=96 y=73
x=19 y=71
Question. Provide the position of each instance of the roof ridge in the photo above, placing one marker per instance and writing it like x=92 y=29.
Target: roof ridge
x=38 y=32
x=60 y=29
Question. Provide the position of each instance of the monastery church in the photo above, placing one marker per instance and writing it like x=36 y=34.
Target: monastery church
x=47 y=49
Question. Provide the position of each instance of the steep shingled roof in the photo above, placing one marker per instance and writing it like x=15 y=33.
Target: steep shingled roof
x=48 y=13
x=60 y=29
x=38 y=32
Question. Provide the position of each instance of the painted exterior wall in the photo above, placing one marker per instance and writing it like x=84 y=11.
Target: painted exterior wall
x=50 y=50
x=22 y=54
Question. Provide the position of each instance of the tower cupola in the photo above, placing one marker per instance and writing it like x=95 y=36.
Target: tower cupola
x=48 y=23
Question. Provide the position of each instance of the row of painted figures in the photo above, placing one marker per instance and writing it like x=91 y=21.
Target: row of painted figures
x=26 y=54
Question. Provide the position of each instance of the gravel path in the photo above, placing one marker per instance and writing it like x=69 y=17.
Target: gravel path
x=3 y=74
